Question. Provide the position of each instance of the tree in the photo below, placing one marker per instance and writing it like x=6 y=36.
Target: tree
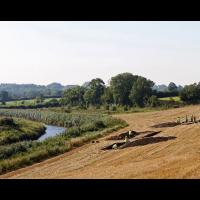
x=94 y=92
x=141 y=91
x=153 y=101
x=190 y=93
x=172 y=87
x=107 y=97
x=52 y=103
x=40 y=98
x=74 y=96
x=4 y=96
x=121 y=86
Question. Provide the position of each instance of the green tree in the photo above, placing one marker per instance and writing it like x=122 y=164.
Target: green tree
x=39 y=98
x=141 y=91
x=172 y=87
x=121 y=86
x=107 y=97
x=74 y=96
x=4 y=96
x=190 y=93
x=153 y=101
x=94 y=92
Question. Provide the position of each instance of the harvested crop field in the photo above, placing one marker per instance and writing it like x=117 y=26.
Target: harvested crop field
x=156 y=152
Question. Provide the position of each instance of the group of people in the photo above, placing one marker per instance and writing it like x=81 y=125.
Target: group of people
x=126 y=140
x=192 y=119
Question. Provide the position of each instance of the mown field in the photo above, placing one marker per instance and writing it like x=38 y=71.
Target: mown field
x=81 y=128
x=174 y=152
x=177 y=99
x=30 y=102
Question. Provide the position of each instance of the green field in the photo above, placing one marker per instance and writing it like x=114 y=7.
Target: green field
x=16 y=130
x=170 y=98
x=26 y=102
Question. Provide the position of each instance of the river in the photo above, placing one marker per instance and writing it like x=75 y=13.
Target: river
x=51 y=131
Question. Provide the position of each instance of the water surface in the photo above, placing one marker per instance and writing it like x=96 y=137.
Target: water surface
x=52 y=131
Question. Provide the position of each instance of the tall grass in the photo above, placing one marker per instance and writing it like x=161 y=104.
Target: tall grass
x=81 y=128
x=19 y=130
x=26 y=153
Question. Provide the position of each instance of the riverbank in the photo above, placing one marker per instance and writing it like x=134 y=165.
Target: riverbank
x=175 y=158
x=25 y=153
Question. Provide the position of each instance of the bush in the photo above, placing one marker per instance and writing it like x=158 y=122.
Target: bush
x=98 y=107
x=7 y=121
x=73 y=132
x=107 y=107
x=67 y=110
x=125 y=108
x=114 y=108
x=89 y=127
x=99 y=124
x=153 y=101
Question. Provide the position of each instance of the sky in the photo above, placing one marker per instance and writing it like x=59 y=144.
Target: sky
x=74 y=52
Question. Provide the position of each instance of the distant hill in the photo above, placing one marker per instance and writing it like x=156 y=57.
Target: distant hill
x=55 y=86
x=69 y=86
x=18 y=91
x=86 y=84
x=164 y=88
x=160 y=88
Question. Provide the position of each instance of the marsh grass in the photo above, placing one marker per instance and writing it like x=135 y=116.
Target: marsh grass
x=20 y=153
x=15 y=130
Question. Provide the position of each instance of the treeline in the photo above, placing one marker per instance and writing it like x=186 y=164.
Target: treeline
x=129 y=90
x=124 y=89
x=191 y=93
x=30 y=91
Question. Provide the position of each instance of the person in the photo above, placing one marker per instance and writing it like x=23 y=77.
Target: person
x=114 y=146
x=195 y=119
x=126 y=139
x=192 y=118
x=130 y=133
x=178 y=120
x=186 y=119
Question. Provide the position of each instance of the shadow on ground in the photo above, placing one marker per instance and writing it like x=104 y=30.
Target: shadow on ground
x=165 y=124
x=134 y=134
x=140 y=142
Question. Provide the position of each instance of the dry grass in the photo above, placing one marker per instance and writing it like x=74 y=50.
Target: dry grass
x=174 y=158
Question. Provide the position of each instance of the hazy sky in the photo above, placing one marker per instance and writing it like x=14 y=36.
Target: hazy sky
x=75 y=52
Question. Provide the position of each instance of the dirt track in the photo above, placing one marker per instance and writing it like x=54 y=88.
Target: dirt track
x=174 y=158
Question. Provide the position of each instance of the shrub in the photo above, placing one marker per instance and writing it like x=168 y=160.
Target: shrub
x=73 y=132
x=99 y=124
x=153 y=101
x=67 y=109
x=125 y=108
x=107 y=107
x=7 y=121
x=114 y=108
x=89 y=127
x=98 y=107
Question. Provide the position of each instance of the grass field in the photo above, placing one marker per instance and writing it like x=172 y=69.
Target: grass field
x=16 y=130
x=170 y=98
x=26 y=102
